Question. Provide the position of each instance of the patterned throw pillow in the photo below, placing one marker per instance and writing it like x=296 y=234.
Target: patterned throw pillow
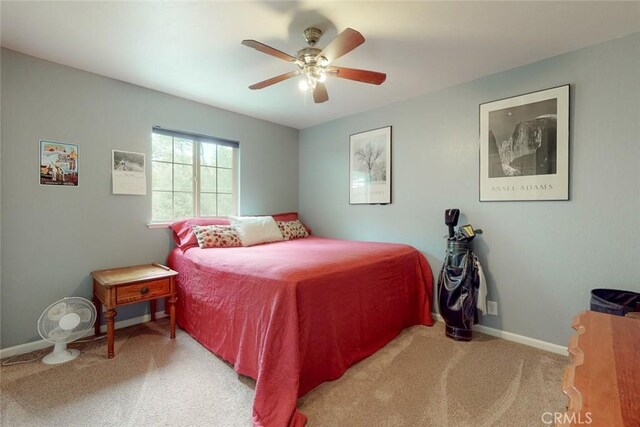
x=216 y=236
x=292 y=229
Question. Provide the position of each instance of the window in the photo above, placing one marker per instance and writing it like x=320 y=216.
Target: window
x=192 y=176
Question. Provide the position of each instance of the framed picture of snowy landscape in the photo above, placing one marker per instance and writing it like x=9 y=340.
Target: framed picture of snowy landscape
x=370 y=167
x=524 y=147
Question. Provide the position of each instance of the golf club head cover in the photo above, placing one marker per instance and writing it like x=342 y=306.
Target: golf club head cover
x=467 y=232
x=451 y=219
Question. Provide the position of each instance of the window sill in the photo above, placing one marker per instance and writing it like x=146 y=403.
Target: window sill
x=158 y=225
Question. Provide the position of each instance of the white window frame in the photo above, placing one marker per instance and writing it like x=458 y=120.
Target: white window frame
x=198 y=139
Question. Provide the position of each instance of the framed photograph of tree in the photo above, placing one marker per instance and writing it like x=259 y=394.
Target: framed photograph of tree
x=370 y=167
x=524 y=147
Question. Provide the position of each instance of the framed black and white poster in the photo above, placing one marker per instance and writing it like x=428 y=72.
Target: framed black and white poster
x=524 y=147
x=127 y=173
x=370 y=167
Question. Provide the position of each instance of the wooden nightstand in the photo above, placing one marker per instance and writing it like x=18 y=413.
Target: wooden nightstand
x=121 y=286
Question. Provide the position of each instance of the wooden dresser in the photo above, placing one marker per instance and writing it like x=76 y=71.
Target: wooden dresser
x=602 y=380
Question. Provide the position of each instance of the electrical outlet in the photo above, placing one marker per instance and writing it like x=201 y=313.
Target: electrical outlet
x=492 y=308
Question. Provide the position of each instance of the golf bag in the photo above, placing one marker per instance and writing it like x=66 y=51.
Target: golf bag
x=459 y=280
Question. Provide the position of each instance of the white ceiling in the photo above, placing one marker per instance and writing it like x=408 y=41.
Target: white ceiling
x=193 y=50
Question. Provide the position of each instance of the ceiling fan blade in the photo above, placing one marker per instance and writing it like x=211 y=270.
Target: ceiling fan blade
x=274 y=80
x=344 y=43
x=371 y=77
x=320 y=93
x=268 y=50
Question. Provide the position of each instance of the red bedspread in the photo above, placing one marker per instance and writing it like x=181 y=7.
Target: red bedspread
x=296 y=313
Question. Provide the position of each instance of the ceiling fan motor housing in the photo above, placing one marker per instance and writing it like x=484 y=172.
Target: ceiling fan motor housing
x=308 y=55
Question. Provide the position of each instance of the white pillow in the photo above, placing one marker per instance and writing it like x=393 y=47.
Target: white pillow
x=256 y=229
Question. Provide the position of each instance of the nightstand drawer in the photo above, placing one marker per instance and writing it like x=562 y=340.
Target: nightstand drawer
x=143 y=291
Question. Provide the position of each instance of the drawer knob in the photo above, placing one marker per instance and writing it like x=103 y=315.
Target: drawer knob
x=144 y=290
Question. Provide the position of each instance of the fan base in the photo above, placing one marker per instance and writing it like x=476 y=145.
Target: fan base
x=60 y=356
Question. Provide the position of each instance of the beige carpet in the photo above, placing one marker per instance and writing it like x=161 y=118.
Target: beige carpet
x=419 y=379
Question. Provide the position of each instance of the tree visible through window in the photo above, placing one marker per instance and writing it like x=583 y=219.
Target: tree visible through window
x=192 y=175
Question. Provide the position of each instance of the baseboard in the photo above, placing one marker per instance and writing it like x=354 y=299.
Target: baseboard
x=509 y=336
x=520 y=339
x=39 y=345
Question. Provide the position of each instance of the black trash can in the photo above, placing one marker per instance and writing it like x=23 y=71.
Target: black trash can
x=614 y=301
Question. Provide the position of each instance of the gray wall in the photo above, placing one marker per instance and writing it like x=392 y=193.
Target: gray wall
x=541 y=258
x=52 y=238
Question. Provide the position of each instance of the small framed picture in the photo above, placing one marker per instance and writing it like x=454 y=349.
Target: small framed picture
x=128 y=173
x=370 y=167
x=524 y=147
x=58 y=164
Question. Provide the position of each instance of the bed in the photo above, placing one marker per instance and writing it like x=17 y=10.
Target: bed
x=296 y=313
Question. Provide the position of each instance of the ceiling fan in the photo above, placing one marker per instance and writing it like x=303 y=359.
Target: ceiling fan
x=315 y=63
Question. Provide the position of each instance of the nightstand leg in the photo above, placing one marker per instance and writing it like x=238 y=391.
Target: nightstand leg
x=152 y=307
x=172 y=313
x=110 y=315
x=98 y=306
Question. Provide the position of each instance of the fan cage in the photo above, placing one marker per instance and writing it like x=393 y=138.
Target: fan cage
x=48 y=323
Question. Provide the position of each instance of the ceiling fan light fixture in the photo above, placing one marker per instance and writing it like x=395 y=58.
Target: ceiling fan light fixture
x=322 y=61
x=311 y=81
